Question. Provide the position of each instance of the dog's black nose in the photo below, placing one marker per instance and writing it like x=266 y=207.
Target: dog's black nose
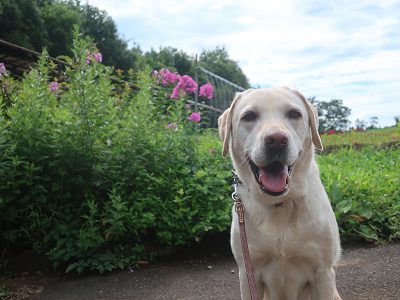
x=276 y=139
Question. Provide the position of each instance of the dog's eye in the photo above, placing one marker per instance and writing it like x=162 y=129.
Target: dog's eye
x=249 y=117
x=294 y=114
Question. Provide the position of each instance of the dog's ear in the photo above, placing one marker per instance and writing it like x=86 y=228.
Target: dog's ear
x=314 y=122
x=225 y=125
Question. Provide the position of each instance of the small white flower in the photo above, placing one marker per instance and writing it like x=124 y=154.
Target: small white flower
x=386 y=176
x=396 y=179
x=356 y=183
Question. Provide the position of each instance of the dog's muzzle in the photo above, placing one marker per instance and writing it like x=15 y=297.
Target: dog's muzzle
x=274 y=178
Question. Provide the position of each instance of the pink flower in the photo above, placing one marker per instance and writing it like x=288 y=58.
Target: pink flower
x=97 y=56
x=36 y=75
x=54 y=87
x=166 y=76
x=188 y=106
x=207 y=90
x=174 y=126
x=144 y=164
x=212 y=151
x=2 y=69
x=194 y=117
x=186 y=84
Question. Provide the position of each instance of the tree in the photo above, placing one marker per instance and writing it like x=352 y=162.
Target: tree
x=374 y=121
x=332 y=114
x=102 y=29
x=361 y=124
x=21 y=24
x=59 y=19
x=170 y=58
x=219 y=62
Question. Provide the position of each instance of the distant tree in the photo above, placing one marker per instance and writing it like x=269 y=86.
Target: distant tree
x=397 y=119
x=361 y=124
x=21 y=24
x=59 y=18
x=219 y=62
x=374 y=121
x=102 y=29
x=332 y=114
x=170 y=58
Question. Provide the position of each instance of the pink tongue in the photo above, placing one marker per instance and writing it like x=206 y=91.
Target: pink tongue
x=274 y=178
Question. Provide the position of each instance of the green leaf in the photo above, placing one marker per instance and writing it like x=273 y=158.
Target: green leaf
x=343 y=206
x=368 y=232
x=71 y=267
x=201 y=174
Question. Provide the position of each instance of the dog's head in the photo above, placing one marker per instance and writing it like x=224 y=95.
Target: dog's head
x=272 y=135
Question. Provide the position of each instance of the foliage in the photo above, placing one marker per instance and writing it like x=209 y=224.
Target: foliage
x=21 y=24
x=364 y=191
x=219 y=62
x=332 y=114
x=374 y=121
x=361 y=124
x=356 y=136
x=89 y=170
x=49 y=23
x=171 y=58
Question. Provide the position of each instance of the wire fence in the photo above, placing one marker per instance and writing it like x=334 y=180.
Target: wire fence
x=224 y=92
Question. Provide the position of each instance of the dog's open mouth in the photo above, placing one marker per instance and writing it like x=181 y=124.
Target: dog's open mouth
x=273 y=178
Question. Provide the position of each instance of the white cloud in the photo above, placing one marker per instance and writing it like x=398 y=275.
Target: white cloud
x=246 y=20
x=216 y=7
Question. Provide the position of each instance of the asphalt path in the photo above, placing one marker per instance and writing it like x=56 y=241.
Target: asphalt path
x=365 y=272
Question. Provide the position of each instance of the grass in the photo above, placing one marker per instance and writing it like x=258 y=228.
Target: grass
x=357 y=137
x=387 y=130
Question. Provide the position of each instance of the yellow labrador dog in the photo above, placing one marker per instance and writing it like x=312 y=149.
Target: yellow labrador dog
x=292 y=233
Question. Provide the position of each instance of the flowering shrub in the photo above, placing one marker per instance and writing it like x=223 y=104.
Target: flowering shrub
x=89 y=176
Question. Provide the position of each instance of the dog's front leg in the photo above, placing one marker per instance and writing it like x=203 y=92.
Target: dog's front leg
x=244 y=285
x=324 y=288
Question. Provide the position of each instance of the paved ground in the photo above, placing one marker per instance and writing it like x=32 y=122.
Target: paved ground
x=366 y=272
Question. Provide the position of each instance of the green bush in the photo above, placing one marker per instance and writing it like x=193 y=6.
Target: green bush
x=364 y=190
x=90 y=170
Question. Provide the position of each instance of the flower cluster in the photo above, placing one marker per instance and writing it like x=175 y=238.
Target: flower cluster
x=173 y=126
x=2 y=69
x=54 y=88
x=207 y=90
x=166 y=76
x=194 y=117
x=186 y=84
x=36 y=75
x=97 y=57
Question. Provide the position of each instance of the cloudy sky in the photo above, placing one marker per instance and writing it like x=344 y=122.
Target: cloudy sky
x=347 y=50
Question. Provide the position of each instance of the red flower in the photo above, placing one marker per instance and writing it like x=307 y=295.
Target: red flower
x=341 y=131
x=324 y=130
